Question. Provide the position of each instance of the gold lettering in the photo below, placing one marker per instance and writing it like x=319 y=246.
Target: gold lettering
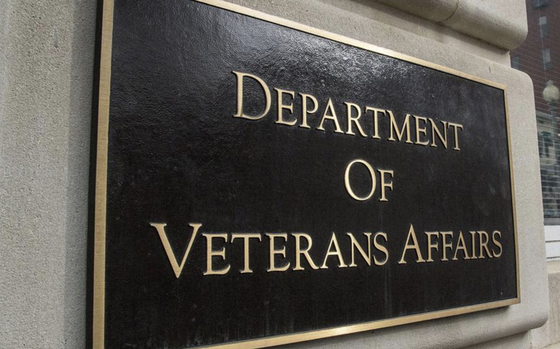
x=385 y=184
x=211 y=253
x=305 y=252
x=456 y=128
x=356 y=245
x=497 y=243
x=461 y=246
x=473 y=243
x=414 y=246
x=432 y=246
x=265 y=88
x=336 y=252
x=177 y=269
x=376 y=112
x=483 y=244
x=446 y=245
x=420 y=130
x=246 y=238
x=330 y=109
x=435 y=131
x=354 y=120
x=347 y=180
x=395 y=128
x=274 y=252
x=305 y=111
x=381 y=248
x=282 y=107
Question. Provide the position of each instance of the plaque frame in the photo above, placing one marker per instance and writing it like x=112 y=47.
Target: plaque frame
x=100 y=147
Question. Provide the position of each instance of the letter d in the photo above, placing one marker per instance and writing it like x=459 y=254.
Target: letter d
x=265 y=88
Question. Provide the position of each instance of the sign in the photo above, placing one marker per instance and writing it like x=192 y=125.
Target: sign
x=260 y=182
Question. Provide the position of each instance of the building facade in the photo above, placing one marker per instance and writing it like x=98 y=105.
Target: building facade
x=48 y=66
x=538 y=57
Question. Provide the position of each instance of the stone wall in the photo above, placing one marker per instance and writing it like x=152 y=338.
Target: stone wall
x=46 y=81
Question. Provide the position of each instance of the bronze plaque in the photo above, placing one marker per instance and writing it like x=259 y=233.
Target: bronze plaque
x=259 y=182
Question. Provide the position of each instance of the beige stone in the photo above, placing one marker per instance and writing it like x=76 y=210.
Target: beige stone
x=46 y=65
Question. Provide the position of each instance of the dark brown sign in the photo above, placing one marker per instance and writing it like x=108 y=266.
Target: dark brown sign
x=259 y=182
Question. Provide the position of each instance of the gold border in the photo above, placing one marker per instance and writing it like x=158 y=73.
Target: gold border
x=101 y=187
x=101 y=176
x=367 y=326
